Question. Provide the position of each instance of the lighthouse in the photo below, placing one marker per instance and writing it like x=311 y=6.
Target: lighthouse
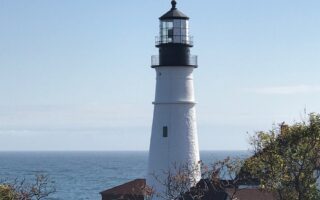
x=174 y=140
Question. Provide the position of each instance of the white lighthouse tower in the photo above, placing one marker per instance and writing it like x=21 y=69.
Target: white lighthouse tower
x=174 y=140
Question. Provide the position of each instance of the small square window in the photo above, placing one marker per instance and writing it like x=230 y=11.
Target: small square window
x=165 y=131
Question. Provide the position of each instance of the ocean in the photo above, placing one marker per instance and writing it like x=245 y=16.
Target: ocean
x=82 y=175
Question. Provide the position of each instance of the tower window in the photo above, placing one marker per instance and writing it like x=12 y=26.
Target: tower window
x=165 y=131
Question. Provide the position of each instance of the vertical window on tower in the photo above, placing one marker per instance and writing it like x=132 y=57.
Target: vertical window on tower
x=165 y=131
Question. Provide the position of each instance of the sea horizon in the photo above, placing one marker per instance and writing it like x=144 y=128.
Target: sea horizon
x=82 y=175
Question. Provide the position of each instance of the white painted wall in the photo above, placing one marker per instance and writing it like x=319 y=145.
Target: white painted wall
x=174 y=107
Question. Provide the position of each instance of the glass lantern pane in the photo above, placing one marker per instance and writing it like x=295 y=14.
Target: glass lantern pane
x=183 y=32
x=163 y=31
x=183 y=39
x=177 y=39
x=177 y=23
x=169 y=24
x=170 y=32
x=184 y=23
x=176 y=31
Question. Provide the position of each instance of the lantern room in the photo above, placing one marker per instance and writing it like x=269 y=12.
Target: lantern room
x=174 y=41
x=174 y=27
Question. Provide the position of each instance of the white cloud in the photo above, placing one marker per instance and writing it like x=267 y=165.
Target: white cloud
x=286 y=90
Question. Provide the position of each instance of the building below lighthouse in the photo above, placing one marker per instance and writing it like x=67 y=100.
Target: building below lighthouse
x=174 y=139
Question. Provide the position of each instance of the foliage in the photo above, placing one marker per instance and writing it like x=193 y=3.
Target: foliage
x=7 y=192
x=286 y=159
x=183 y=183
x=178 y=181
x=39 y=189
x=224 y=175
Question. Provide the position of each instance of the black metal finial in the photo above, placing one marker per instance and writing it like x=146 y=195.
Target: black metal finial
x=173 y=3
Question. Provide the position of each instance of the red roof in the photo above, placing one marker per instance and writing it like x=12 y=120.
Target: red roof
x=135 y=187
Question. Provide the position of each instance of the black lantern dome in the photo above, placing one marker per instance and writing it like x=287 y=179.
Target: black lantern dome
x=174 y=13
x=174 y=41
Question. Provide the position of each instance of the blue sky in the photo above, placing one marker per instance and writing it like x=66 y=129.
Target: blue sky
x=75 y=75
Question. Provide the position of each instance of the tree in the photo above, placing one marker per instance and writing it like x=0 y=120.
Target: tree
x=215 y=180
x=286 y=158
x=177 y=182
x=39 y=189
x=7 y=192
x=223 y=176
